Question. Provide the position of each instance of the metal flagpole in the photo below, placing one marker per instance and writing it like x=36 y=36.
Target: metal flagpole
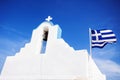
x=90 y=41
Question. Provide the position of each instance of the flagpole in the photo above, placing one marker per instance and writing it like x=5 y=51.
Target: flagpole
x=90 y=42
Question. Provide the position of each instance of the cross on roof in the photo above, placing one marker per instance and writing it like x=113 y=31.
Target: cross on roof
x=49 y=18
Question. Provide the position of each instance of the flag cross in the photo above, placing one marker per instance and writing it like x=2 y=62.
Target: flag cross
x=97 y=35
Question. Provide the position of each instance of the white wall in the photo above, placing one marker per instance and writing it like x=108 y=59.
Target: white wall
x=60 y=61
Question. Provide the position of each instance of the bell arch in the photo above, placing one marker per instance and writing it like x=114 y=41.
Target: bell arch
x=44 y=39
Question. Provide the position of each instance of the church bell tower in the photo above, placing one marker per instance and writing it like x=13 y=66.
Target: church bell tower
x=48 y=57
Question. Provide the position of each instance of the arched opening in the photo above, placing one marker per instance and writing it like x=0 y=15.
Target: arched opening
x=44 y=41
x=45 y=35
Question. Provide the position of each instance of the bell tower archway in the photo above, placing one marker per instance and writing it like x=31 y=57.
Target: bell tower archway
x=44 y=40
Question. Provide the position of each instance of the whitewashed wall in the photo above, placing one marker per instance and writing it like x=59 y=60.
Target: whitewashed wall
x=60 y=61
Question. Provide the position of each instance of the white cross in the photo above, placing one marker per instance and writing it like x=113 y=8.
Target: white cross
x=48 y=18
x=97 y=35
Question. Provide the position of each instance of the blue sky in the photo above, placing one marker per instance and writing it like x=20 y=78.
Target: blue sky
x=19 y=17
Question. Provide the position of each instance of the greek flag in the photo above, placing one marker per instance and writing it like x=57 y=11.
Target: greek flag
x=101 y=37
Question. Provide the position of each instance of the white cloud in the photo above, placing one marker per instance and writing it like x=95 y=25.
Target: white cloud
x=11 y=46
x=7 y=28
x=109 y=68
x=107 y=52
x=11 y=40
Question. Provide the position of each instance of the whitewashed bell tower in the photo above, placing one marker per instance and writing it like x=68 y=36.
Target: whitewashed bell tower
x=48 y=56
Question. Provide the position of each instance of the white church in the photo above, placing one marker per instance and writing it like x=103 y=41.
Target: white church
x=48 y=57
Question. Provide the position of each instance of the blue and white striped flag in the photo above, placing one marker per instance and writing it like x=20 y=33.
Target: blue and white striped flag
x=101 y=37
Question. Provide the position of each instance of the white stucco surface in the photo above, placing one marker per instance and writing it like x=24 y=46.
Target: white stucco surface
x=60 y=61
